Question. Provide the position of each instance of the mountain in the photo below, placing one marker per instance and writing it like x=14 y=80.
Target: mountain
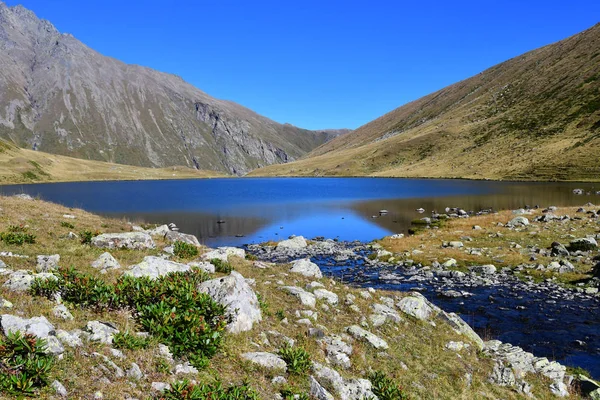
x=59 y=96
x=536 y=116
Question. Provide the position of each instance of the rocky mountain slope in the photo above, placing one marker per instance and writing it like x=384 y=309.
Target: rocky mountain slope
x=59 y=96
x=536 y=116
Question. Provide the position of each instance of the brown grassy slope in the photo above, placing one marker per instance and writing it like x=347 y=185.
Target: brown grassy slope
x=536 y=116
x=27 y=166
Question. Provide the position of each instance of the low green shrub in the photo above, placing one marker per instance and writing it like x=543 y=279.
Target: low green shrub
x=17 y=238
x=66 y=224
x=297 y=359
x=264 y=306
x=251 y=257
x=184 y=250
x=25 y=366
x=125 y=340
x=385 y=388
x=185 y=390
x=87 y=236
x=221 y=266
x=290 y=393
x=170 y=308
x=17 y=228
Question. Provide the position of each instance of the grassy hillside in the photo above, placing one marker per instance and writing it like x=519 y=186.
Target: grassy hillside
x=534 y=117
x=27 y=166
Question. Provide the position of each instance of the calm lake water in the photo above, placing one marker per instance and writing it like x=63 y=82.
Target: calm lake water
x=261 y=209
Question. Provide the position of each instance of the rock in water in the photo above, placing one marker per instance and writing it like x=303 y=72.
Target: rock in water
x=153 y=267
x=295 y=243
x=307 y=268
x=127 y=240
x=234 y=292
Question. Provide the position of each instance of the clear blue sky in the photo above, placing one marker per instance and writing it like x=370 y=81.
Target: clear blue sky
x=318 y=63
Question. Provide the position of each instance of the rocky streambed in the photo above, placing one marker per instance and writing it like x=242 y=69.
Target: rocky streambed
x=544 y=318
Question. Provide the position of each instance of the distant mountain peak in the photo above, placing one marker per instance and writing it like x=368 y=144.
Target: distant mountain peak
x=59 y=96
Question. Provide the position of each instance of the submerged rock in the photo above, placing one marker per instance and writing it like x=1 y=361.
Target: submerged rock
x=234 y=293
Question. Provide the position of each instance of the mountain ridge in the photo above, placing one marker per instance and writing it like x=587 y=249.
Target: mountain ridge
x=62 y=97
x=534 y=116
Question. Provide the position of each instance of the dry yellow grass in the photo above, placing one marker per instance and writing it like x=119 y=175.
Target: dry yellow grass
x=432 y=371
x=27 y=166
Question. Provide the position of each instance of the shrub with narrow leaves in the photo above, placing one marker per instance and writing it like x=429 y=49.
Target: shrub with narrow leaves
x=24 y=364
x=184 y=250
x=221 y=266
x=296 y=358
x=185 y=390
x=385 y=388
x=125 y=340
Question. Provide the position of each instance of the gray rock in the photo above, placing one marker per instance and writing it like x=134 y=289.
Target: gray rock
x=295 y=243
x=204 y=266
x=317 y=391
x=559 y=389
x=153 y=267
x=39 y=327
x=185 y=369
x=126 y=240
x=159 y=387
x=135 y=372
x=307 y=268
x=518 y=221
x=461 y=327
x=359 y=333
x=23 y=196
x=329 y=297
x=161 y=231
x=234 y=292
x=583 y=244
x=174 y=236
x=70 y=339
x=21 y=280
x=266 y=360
x=223 y=253
x=559 y=250
x=59 y=388
x=100 y=332
x=47 y=263
x=417 y=306
x=455 y=346
x=502 y=375
x=483 y=269
x=306 y=298
x=106 y=261
x=117 y=371
x=61 y=311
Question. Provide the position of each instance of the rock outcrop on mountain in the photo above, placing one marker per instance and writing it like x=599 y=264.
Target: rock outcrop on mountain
x=59 y=96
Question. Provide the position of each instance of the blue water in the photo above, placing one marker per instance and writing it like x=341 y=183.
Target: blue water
x=261 y=209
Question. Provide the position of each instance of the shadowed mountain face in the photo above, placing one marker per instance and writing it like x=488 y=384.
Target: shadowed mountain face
x=536 y=116
x=59 y=96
